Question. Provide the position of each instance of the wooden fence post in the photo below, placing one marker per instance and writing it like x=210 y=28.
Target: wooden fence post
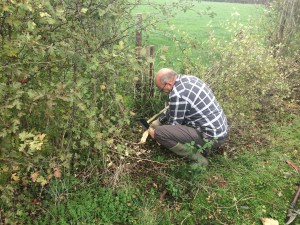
x=145 y=81
x=151 y=70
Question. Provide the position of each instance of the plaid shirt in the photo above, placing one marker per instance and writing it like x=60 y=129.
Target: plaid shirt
x=192 y=103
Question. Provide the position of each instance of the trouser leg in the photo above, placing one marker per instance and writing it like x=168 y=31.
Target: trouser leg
x=174 y=137
x=169 y=135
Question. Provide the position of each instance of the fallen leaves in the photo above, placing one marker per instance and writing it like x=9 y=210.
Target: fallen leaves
x=37 y=178
x=162 y=195
x=14 y=177
x=41 y=180
x=57 y=172
x=34 y=176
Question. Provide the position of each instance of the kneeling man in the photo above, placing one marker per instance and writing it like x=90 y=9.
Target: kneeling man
x=194 y=115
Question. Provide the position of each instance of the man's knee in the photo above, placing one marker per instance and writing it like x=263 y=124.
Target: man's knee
x=163 y=136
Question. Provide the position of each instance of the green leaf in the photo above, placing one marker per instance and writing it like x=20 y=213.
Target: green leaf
x=25 y=135
x=41 y=180
x=44 y=14
x=50 y=20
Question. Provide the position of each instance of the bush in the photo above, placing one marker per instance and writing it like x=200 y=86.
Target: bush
x=64 y=68
x=245 y=76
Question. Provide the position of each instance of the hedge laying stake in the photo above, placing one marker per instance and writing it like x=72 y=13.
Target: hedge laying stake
x=293 y=212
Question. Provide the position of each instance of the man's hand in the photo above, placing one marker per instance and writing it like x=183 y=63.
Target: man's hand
x=155 y=124
x=151 y=132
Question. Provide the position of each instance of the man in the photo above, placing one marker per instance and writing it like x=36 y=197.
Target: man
x=194 y=115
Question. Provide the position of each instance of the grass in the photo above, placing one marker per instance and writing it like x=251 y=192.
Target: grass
x=205 y=19
x=240 y=190
x=160 y=188
x=200 y=26
x=253 y=184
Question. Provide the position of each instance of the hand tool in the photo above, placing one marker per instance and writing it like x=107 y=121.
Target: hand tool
x=293 y=212
x=144 y=123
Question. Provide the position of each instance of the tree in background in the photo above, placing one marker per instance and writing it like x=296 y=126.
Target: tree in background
x=284 y=34
x=286 y=30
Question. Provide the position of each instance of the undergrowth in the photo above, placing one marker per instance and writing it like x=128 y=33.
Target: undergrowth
x=67 y=125
x=237 y=189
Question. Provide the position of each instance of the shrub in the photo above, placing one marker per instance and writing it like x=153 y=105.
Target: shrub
x=245 y=76
x=64 y=68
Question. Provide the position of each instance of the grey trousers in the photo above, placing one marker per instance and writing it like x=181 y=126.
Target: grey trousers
x=169 y=135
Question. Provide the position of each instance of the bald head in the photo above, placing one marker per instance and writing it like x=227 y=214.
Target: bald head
x=165 y=79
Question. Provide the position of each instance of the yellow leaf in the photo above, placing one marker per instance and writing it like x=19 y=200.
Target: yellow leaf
x=5 y=8
x=102 y=87
x=110 y=141
x=44 y=14
x=99 y=136
x=83 y=10
x=41 y=136
x=5 y=168
x=14 y=177
x=81 y=106
x=121 y=45
x=15 y=167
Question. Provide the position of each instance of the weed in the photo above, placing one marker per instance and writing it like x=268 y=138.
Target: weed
x=95 y=205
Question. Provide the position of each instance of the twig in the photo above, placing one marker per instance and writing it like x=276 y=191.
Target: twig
x=148 y=160
x=292 y=165
x=219 y=219
x=236 y=207
x=185 y=218
x=196 y=194
x=156 y=115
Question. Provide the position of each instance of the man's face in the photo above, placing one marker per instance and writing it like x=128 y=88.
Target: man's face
x=165 y=87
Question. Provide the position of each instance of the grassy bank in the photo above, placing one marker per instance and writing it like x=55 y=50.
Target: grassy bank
x=159 y=188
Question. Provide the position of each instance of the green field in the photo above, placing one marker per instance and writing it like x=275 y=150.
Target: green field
x=200 y=26
x=202 y=20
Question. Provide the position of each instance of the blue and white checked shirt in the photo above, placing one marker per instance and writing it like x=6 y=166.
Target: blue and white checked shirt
x=192 y=103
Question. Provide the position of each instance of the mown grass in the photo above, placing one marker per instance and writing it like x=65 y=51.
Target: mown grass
x=199 y=24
